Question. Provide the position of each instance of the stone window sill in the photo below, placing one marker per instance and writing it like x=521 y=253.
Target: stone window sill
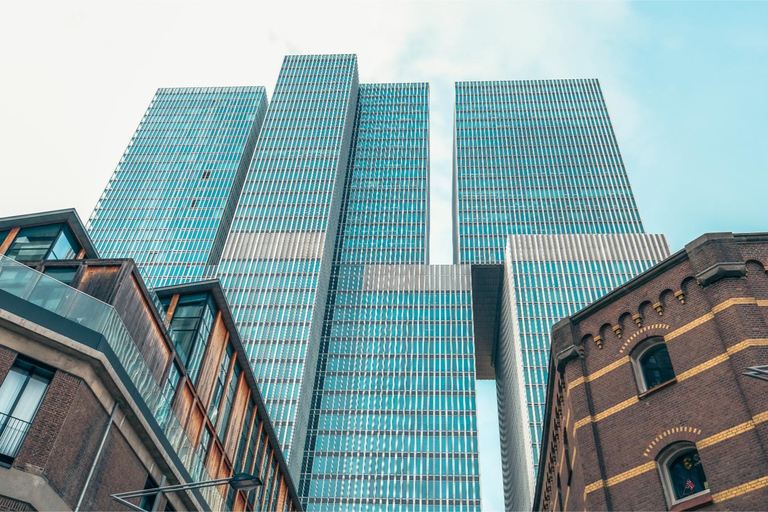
x=657 y=388
x=693 y=502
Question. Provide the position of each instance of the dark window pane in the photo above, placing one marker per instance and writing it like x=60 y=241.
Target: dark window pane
x=63 y=274
x=183 y=342
x=230 y=397
x=657 y=367
x=687 y=475
x=33 y=244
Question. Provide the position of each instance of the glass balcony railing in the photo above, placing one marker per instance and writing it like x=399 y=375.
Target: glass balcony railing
x=67 y=302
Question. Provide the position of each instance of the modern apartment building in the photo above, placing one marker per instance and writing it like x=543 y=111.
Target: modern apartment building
x=276 y=262
x=392 y=423
x=540 y=188
x=107 y=387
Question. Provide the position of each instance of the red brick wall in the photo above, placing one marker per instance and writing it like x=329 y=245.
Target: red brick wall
x=8 y=504
x=71 y=457
x=46 y=427
x=711 y=400
x=118 y=470
x=7 y=357
x=62 y=444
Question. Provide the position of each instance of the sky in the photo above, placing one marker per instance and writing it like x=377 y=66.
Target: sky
x=685 y=85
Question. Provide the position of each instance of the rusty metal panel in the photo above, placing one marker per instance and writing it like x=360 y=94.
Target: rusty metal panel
x=172 y=307
x=138 y=317
x=281 y=494
x=183 y=404
x=239 y=504
x=209 y=367
x=214 y=460
x=99 y=281
x=224 y=471
x=237 y=418
x=195 y=424
x=5 y=244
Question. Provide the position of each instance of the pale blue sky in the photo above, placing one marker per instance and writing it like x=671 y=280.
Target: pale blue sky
x=685 y=84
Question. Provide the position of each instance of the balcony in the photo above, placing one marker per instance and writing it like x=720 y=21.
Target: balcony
x=71 y=304
x=12 y=434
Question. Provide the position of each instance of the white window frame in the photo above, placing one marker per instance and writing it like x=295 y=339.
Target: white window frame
x=637 y=355
x=666 y=456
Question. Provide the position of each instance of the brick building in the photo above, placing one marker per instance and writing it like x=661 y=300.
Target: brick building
x=108 y=387
x=650 y=405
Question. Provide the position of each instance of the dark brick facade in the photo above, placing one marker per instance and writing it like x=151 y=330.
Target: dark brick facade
x=7 y=357
x=62 y=444
x=709 y=303
x=43 y=435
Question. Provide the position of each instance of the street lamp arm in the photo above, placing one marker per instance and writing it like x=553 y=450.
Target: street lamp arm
x=242 y=481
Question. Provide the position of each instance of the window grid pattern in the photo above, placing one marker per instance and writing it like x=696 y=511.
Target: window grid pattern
x=271 y=266
x=535 y=156
x=393 y=423
x=164 y=204
x=385 y=210
x=552 y=277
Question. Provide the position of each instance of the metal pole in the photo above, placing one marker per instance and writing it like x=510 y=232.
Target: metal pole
x=98 y=456
x=156 y=503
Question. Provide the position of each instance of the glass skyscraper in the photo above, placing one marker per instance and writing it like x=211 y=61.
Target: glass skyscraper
x=314 y=213
x=169 y=202
x=276 y=263
x=392 y=421
x=540 y=187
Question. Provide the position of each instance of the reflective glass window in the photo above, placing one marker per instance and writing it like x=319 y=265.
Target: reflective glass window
x=21 y=393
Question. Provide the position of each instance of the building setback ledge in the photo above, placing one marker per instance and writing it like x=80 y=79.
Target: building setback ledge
x=693 y=503
x=657 y=388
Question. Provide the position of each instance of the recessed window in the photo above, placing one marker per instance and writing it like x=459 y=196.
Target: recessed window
x=36 y=243
x=682 y=473
x=652 y=364
x=21 y=393
x=190 y=327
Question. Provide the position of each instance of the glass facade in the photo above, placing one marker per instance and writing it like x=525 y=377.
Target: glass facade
x=540 y=187
x=169 y=203
x=538 y=157
x=393 y=423
x=276 y=266
x=364 y=353
x=385 y=208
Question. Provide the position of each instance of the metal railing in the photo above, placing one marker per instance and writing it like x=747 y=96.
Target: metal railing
x=12 y=434
x=72 y=304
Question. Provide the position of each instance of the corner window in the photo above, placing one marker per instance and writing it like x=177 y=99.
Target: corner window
x=652 y=364
x=682 y=473
x=190 y=327
x=21 y=393
x=37 y=243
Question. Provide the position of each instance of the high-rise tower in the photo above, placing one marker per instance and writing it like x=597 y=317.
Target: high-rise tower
x=170 y=201
x=540 y=188
x=392 y=423
x=277 y=260
x=366 y=355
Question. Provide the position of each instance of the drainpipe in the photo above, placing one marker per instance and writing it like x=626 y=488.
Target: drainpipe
x=98 y=456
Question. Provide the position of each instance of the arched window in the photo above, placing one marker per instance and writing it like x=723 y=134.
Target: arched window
x=682 y=473
x=652 y=365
